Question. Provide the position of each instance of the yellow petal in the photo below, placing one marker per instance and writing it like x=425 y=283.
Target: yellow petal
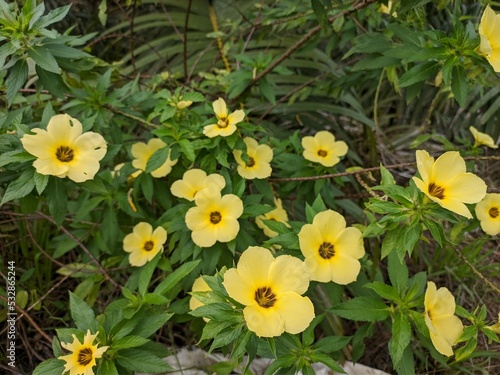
x=220 y=108
x=264 y=322
x=254 y=264
x=205 y=237
x=330 y=223
x=344 y=269
x=310 y=239
x=424 y=165
x=350 y=242
x=236 y=117
x=467 y=188
x=288 y=274
x=66 y=128
x=296 y=311
x=318 y=269
x=238 y=288
x=447 y=166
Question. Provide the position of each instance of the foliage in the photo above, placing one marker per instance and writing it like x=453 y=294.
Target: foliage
x=383 y=80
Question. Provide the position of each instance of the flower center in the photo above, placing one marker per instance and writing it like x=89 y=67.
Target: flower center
x=265 y=297
x=215 y=217
x=322 y=153
x=222 y=123
x=251 y=162
x=326 y=250
x=148 y=245
x=85 y=356
x=65 y=154
x=436 y=191
x=494 y=212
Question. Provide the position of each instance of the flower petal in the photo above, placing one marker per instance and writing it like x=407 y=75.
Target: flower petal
x=264 y=322
x=296 y=311
x=288 y=274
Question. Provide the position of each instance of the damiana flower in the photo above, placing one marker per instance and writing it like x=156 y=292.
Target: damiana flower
x=444 y=326
x=330 y=249
x=143 y=243
x=226 y=122
x=489 y=31
x=215 y=218
x=259 y=159
x=83 y=356
x=482 y=138
x=64 y=151
x=199 y=285
x=271 y=290
x=142 y=152
x=323 y=149
x=488 y=213
x=446 y=182
x=194 y=181
x=278 y=214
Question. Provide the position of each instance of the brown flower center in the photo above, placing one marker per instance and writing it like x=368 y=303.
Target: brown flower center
x=251 y=162
x=215 y=217
x=85 y=356
x=322 y=153
x=436 y=191
x=494 y=212
x=326 y=250
x=148 y=245
x=265 y=297
x=222 y=123
x=65 y=154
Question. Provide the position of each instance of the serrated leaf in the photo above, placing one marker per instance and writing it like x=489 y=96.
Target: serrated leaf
x=332 y=344
x=141 y=361
x=398 y=272
x=147 y=273
x=82 y=314
x=176 y=276
x=16 y=79
x=20 y=187
x=108 y=367
x=41 y=181
x=187 y=149
x=193 y=96
x=400 y=339
x=418 y=73
x=157 y=159
x=53 y=16
x=367 y=309
x=50 y=367
x=129 y=342
x=44 y=59
x=459 y=84
x=385 y=291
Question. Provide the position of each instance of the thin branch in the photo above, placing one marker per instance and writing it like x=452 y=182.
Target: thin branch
x=81 y=246
x=184 y=41
x=303 y=40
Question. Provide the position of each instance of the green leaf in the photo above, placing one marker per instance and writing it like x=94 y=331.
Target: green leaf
x=57 y=199
x=400 y=339
x=398 y=272
x=385 y=291
x=141 y=361
x=108 y=367
x=332 y=344
x=20 y=187
x=44 y=59
x=129 y=342
x=367 y=309
x=53 y=16
x=148 y=324
x=50 y=367
x=157 y=159
x=187 y=149
x=82 y=314
x=175 y=277
x=459 y=84
x=102 y=15
x=147 y=273
x=41 y=181
x=323 y=358
x=418 y=73
x=406 y=365
x=193 y=96
x=466 y=350
x=16 y=79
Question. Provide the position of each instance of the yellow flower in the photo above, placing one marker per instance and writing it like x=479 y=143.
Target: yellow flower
x=259 y=159
x=64 y=151
x=215 y=218
x=495 y=327
x=489 y=31
x=182 y=104
x=199 y=285
x=83 y=356
x=194 y=181
x=278 y=214
x=143 y=243
x=323 y=149
x=482 y=138
x=142 y=152
x=330 y=249
x=387 y=9
x=446 y=181
x=444 y=327
x=488 y=213
x=271 y=290
x=226 y=123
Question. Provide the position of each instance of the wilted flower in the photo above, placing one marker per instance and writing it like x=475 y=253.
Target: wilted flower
x=215 y=218
x=83 y=356
x=226 y=123
x=194 y=181
x=482 y=138
x=64 y=151
x=271 y=290
x=446 y=182
x=278 y=214
x=330 y=249
x=143 y=243
x=495 y=327
x=444 y=327
x=323 y=149
x=142 y=152
x=259 y=159
x=488 y=213
x=489 y=31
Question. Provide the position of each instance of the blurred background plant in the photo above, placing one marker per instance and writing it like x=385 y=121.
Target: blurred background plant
x=385 y=77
